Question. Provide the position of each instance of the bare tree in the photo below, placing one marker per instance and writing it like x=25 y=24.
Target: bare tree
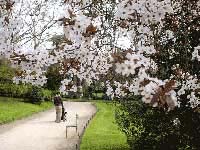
x=37 y=18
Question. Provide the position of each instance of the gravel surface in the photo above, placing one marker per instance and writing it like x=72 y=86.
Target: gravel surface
x=40 y=132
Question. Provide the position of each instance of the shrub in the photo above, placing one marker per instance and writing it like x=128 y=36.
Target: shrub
x=71 y=94
x=97 y=96
x=47 y=94
x=150 y=128
x=26 y=91
x=36 y=95
x=13 y=90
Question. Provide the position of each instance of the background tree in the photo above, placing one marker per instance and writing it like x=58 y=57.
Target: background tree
x=54 y=77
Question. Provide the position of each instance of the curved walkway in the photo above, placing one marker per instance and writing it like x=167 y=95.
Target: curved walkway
x=40 y=132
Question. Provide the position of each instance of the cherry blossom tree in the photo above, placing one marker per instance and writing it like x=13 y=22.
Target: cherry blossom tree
x=155 y=30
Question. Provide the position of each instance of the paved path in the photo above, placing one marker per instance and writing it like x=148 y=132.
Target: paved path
x=40 y=132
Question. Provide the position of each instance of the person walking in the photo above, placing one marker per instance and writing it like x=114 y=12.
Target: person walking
x=58 y=106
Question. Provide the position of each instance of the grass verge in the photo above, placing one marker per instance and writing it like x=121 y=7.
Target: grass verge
x=12 y=109
x=103 y=132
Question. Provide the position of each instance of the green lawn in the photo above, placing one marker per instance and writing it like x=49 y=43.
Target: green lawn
x=103 y=132
x=12 y=109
